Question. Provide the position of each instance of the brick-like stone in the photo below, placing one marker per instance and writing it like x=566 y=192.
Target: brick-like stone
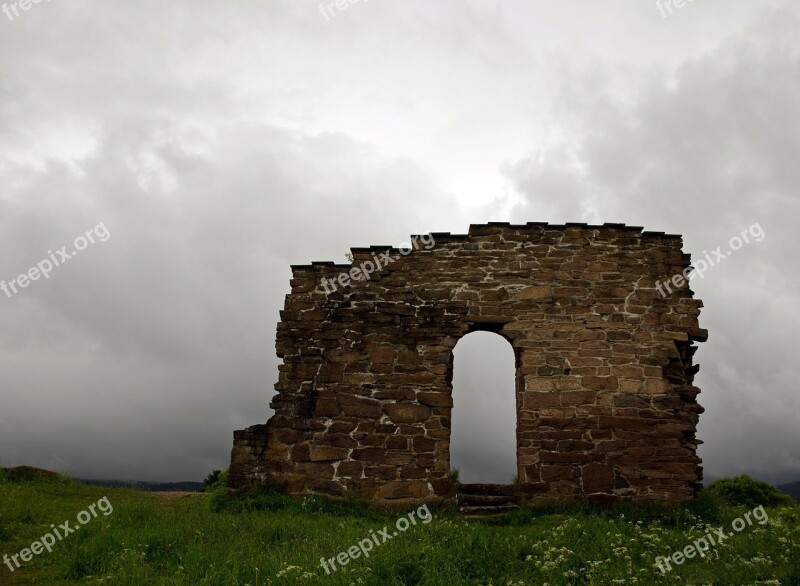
x=383 y=355
x=578 y=397
x=397 y=443
x=555 y=473
x=323 y=453
x=600 y=383
x=350 y=469
x=541 y=400
x=423 y=444
x=597 y=478
x=435 y=399
x=535 y=293
x=407 y=412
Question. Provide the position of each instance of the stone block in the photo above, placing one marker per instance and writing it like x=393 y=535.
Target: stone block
x=407 y=412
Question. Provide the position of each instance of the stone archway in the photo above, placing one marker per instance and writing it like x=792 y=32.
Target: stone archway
x=607 y=408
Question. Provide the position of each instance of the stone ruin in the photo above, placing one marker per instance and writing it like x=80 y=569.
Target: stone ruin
x=606 y=408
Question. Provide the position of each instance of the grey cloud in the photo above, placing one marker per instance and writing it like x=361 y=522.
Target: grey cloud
x=221 y=144
x=139 y=356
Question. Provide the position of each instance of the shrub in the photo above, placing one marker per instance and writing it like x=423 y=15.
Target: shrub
x=274 y=498
x=264 y=498
x=454 y=475
x=212 y=479
x=748 y=492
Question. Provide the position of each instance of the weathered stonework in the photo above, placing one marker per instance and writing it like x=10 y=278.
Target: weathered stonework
x=605 y=402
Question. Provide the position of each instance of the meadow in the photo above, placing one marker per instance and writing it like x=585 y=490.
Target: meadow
x=270 y=538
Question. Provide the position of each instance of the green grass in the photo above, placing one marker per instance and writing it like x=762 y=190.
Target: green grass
x=275 y=539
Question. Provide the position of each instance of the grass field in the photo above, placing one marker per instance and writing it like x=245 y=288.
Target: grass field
x=274 y=539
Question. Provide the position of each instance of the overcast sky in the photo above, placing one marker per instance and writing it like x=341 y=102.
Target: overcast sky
x=218 y=143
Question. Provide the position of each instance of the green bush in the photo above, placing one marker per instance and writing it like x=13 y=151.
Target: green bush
x=455 y=474
x=212 y=479
x=748 y=492
x=274 y=498
x=265 y=498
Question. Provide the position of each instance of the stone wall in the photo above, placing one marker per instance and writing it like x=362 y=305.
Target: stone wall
x=606 y=407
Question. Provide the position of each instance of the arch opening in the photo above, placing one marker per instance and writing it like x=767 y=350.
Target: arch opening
x=483 y=437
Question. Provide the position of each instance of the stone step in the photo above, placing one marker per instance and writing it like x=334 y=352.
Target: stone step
x=486 y=489
x=480 y=500
x=487 y=509
x=484 y=499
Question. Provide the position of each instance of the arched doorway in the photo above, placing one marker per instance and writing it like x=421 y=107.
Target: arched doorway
x=483 y=439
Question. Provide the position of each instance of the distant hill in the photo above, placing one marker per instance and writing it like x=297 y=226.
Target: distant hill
x=793 y=488
x=32 y=473
x=147 y=486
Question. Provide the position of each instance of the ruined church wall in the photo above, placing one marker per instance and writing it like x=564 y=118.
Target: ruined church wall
x=605 y=402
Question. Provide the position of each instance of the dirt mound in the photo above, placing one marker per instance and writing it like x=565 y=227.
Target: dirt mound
x=28 y=473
